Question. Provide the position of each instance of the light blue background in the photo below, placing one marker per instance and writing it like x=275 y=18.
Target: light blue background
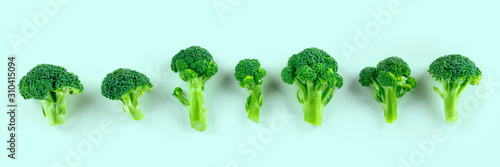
x=92 y=38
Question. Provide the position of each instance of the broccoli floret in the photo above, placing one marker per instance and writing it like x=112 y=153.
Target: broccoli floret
x=126 y=86
x=315 y=73
x=391 y=79
x=455 y=72
x=50 y=84
x=195 y=66
x=249 y=74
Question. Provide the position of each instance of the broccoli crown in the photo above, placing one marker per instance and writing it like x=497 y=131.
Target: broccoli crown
x=394 y=65
x=248 y=71
x=124 y=81
x=389 y=72
x=387 y=79
x=412 y=82
x=194 y=62
x=455 y=68
x=312 y=65
x=366 y=75
x=44 y=78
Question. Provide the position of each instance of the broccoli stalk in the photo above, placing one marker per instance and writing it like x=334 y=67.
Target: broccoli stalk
x=50 y=84
x=456 y=72
x=195 y=66
x=315 y=73
x=61 y=99
x=450 y=96
x=250 y=76
x=390 y=104
x=51 y=107
x=51 y=113
x=197 y=109
x=195 y=104
x=254 y=102
x=390 y=84
x=311 y=101
x=126 y=86
x=130 y=103
x=54 y=105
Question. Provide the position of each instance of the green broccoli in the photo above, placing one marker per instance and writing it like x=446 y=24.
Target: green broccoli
x=50 y=84
x=127 y=86
x=455 y=72
x=315 y=73
x=391 y=79
x=249 y=74
x=195 y=66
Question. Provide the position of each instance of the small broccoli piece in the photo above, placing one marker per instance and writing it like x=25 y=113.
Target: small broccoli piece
x=249 y=74
x=50 y=84
x=455 y=72
x=391 y=79
x=315 y=73
x=195 y=66
x=127 y=86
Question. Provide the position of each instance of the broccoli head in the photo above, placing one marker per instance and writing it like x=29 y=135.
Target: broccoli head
x=249 y=74
x=195 y=65
x=391 y=79
x=50 y=84
x=315 y=73
x=126 y=86
x=456 y=72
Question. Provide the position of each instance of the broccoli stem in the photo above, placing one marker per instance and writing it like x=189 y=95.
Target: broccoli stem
x=52 y=107
x=450 y=107
x=179 y=95
x=196 y=107
x=130 y=105
x=61 y=101
x=254 y=102
x=390 y=104
x=450 y=97
x=312 y=105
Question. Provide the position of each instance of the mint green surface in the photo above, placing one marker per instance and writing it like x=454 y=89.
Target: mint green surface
x=91 y=38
